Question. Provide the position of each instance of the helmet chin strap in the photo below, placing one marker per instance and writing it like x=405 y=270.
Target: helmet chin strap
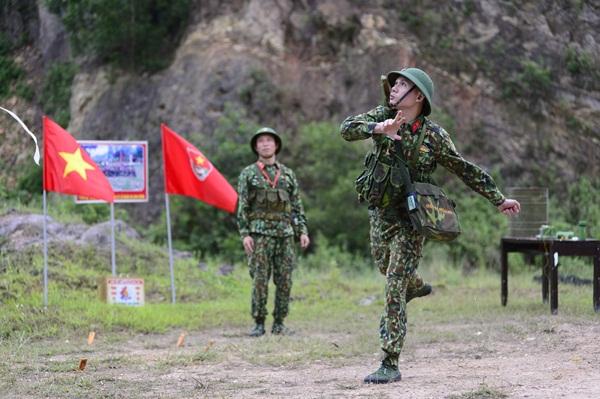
x=405 y=94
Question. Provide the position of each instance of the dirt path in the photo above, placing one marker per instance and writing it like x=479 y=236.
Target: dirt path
x=558 y=360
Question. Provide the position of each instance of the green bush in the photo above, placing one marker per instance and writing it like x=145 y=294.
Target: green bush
x=578 y=63
x=328 y=257
x=582 y=67
x=533 y=83
x=29 y=185
x=134 y=34
x=56 y=93
x=10 y=73
x=581 y=204
x=326 y=167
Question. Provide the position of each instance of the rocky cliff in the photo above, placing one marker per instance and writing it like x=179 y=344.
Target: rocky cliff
x=516 y=81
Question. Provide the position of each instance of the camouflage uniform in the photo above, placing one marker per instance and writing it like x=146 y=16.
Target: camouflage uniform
x=272 y=216
x=401 y=245
x=381 y=254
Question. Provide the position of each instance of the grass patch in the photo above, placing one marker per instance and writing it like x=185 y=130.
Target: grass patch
x=483 y=392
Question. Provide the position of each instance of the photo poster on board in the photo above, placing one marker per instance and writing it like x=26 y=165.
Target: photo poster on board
x=125 y=164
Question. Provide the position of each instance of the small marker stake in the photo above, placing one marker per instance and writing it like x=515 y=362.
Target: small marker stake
x=91 y=337
x=82 y=364
x=180 y=340
x=208 y=346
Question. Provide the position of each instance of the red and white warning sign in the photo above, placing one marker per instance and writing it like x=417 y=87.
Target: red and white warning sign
x=125 y=291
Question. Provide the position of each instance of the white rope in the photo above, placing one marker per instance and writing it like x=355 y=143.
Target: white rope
x=36 y=156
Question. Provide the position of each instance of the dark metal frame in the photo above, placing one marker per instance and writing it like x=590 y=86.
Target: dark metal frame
x=547 y=247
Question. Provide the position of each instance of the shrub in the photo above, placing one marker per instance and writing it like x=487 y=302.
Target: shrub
x=134 y=34
x=56 y=93
x=10 y=73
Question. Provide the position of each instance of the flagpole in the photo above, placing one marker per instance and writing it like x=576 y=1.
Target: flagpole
x=170 y=248
x=45 y=251
x=112 y=239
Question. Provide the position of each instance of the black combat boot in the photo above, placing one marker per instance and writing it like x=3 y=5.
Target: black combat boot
x=259 y=328
x=387 y=372
x=423 y=290
x=280 y=329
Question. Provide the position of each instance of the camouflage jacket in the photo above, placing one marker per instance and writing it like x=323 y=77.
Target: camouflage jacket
x=437 y=148
x=254 y=220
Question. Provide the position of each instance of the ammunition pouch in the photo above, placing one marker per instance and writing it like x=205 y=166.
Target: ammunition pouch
x=271 y=200
x=380 y=184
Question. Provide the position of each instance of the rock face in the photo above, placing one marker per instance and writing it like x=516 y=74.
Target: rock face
x=516 y=82
x=21 y=231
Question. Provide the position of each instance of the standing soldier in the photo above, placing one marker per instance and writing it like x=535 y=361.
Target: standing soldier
x=270 y=214
x=395 y=129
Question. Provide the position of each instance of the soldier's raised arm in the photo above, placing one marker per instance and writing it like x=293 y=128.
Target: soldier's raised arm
x=361 y=127
x=472 y=175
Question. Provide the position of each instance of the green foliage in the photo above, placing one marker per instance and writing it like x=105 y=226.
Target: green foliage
x=469 y=8
x=581 y=65
x=534 y=82
x=580 y=204
x=10 y=73
x=29 y=184
x=261 y=96
x=578 y=62
x=56 y=92
x=483 y=392
x=327 y=257
x=327 y=167
x=134 y=34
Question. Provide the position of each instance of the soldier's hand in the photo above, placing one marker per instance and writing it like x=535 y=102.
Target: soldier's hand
x=304 y=241
x=390 y=127
x=510 y=207
x=248 y=245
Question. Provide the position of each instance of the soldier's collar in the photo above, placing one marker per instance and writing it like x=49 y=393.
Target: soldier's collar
x=417 y=123
x=262 y=165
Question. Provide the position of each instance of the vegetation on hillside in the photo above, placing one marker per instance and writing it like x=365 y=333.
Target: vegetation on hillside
x=133 y=34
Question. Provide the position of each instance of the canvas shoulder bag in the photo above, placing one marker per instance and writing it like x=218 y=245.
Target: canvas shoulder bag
x=430 y=211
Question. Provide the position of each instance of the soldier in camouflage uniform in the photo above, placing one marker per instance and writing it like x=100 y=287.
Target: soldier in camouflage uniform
x=270 y=214
x=394 y=129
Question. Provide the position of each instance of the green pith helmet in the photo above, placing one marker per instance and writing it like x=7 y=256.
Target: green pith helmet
x=269 y=131
x=420 y=79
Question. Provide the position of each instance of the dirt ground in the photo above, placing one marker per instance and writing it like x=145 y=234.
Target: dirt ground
x=549 y=358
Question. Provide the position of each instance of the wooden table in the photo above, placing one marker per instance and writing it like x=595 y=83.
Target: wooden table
x=548 y=247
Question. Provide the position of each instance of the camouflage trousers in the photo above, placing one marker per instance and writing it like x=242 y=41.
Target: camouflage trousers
x=380 y=249
x=398 y=258
x=277 y=256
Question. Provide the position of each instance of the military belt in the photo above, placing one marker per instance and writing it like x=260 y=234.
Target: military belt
x=279 y=217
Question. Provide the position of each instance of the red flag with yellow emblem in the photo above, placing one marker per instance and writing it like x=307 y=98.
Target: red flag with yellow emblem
x=68 y=169
x=188 y=172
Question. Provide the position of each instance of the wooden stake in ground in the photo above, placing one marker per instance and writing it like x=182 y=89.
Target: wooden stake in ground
x=91 y=337
x=180 y=340
x=208 y=346
x=82 y=364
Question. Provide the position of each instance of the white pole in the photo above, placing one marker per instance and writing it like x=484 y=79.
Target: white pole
x=112 y=239
x=45 y=251
x=170 y=248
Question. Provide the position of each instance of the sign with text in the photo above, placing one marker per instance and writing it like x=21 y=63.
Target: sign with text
x=125 y=164
x=123 y=291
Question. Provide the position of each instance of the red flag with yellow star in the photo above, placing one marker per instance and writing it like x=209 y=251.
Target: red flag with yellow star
x=188 y=172
x=68 y=169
